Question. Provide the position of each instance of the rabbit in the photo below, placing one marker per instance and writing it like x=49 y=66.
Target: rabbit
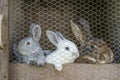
x=30 y=49
x=19 y=57
x=66 y=51
x=93 y=50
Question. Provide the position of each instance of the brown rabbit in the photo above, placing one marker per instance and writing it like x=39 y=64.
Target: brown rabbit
x=93 y=50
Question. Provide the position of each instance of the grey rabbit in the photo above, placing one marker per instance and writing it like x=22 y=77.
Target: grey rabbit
x=16 y=54
x=29 y=49
x=19 y=57
x=93 y=50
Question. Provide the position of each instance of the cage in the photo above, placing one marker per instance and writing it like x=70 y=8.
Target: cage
x=103 y=17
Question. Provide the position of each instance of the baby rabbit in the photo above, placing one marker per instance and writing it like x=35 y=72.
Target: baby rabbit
x=19 y=57
x=29 y=47
x=66 y=51
x=93 y=50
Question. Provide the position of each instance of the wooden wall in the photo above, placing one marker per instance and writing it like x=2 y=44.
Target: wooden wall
x=4 y=40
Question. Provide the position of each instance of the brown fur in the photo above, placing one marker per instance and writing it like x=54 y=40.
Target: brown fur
x=93 y=50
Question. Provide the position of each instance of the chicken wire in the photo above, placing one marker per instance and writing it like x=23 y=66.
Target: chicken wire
x=103 y=16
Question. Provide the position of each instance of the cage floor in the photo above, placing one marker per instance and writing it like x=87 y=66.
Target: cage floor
x=103 y=16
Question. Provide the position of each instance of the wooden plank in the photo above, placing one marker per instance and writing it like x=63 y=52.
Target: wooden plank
x=1 y=18
x=4 y=39
x=70 y=72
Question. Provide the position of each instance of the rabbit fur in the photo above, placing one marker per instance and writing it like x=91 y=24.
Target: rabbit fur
x=29 y=48
x=19 y=57
x=93 y=50
x=66 y=51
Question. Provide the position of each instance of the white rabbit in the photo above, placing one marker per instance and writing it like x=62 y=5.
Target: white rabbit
x=29 y=47
x=66 y=51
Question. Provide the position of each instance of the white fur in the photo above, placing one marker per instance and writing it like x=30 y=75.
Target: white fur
x=62 y=56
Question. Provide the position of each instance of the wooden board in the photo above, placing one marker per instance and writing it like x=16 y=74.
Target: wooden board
x=4 y=39
x=70 y=72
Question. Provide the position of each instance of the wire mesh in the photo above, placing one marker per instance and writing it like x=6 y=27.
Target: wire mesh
x=103 y=16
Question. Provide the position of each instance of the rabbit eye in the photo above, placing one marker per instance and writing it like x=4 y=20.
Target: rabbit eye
x=28 y=43
x=93 y=46
x=67 y=48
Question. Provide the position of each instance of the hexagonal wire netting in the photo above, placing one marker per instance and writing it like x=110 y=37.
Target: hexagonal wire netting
x=103 y=16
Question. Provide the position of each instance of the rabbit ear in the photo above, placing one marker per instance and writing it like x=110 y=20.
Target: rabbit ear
x=84 y=26
x=77 y=32
x=60 y=36
x=52 y=37
x=35 y=31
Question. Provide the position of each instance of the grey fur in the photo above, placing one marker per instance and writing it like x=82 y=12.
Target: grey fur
x=29 y=47
x=19 y=57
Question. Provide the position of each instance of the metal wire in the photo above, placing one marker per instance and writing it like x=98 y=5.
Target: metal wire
x=103 y=16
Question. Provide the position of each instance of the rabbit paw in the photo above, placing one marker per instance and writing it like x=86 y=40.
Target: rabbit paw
x=41 y=62
x=32 y=63
x=58 y=67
